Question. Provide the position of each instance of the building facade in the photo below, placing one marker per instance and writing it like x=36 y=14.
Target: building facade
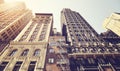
x=77 y=30
x=110 y=37
x=27 y=52
x=113 y=23
x=87 y=51
x=57 y=57
x=13 y=18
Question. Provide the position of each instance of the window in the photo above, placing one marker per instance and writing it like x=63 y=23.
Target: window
x=91 y=61
x=13 y=52
x=32 y=66
x=24 y=36
x=42 y=17
x=46 y=21
x=71 y=35
x=51 y=50
x=25 y=52
x=73 y=40
x=51 y=60
x=111 y=60
x=41 y=37
x=17 y=66
x=76 y=31
x=79 y=39
x=43 y=32
x=48 y=17
x=3 y=65
x=37 y=52
x=41 y=20
x=9 y=31
x=13 y=28
x=82 y=60
x=4 y=34
x=101 y=61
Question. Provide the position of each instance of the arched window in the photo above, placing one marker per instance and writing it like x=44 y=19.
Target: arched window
x=37 y=52
x=13 y=52
x=25 y=52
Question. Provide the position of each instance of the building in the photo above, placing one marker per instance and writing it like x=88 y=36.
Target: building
x=57 y=57
x=1 y=1
x=77 y=30
x=110 y=37
x=13 y=18
x=27 y=52
x=54 y=39
x=87 y=50
x=113 y=23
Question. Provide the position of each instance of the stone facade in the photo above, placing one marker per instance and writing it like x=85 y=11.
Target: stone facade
x=27 y=52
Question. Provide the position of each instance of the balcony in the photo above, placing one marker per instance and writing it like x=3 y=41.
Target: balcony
x=61 y=52
x=62 y=61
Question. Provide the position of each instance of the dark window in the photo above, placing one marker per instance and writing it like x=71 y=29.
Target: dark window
x=91 y=61
x=13 y=52
x=37 y=52
x=101 y=61
x=17 y=66
x=9 y=31
x=77 y=34
x=3 y=65
x=75 y=30
x=4 y=35
x=32 y=66
x=25 y=52
x=79 y=39
x=13 y=28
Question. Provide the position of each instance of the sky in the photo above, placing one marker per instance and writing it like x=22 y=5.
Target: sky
x=94 y=11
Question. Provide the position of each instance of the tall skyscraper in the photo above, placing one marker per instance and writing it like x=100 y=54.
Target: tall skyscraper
x=13 y=18
x=27 y=52
x=77 y=30
x=87 y=51
x=113 y=23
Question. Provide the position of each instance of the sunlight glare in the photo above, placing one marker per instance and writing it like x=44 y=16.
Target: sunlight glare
x=13 y=0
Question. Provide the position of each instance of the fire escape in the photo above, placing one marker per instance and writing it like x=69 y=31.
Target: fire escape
x=63 y=61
